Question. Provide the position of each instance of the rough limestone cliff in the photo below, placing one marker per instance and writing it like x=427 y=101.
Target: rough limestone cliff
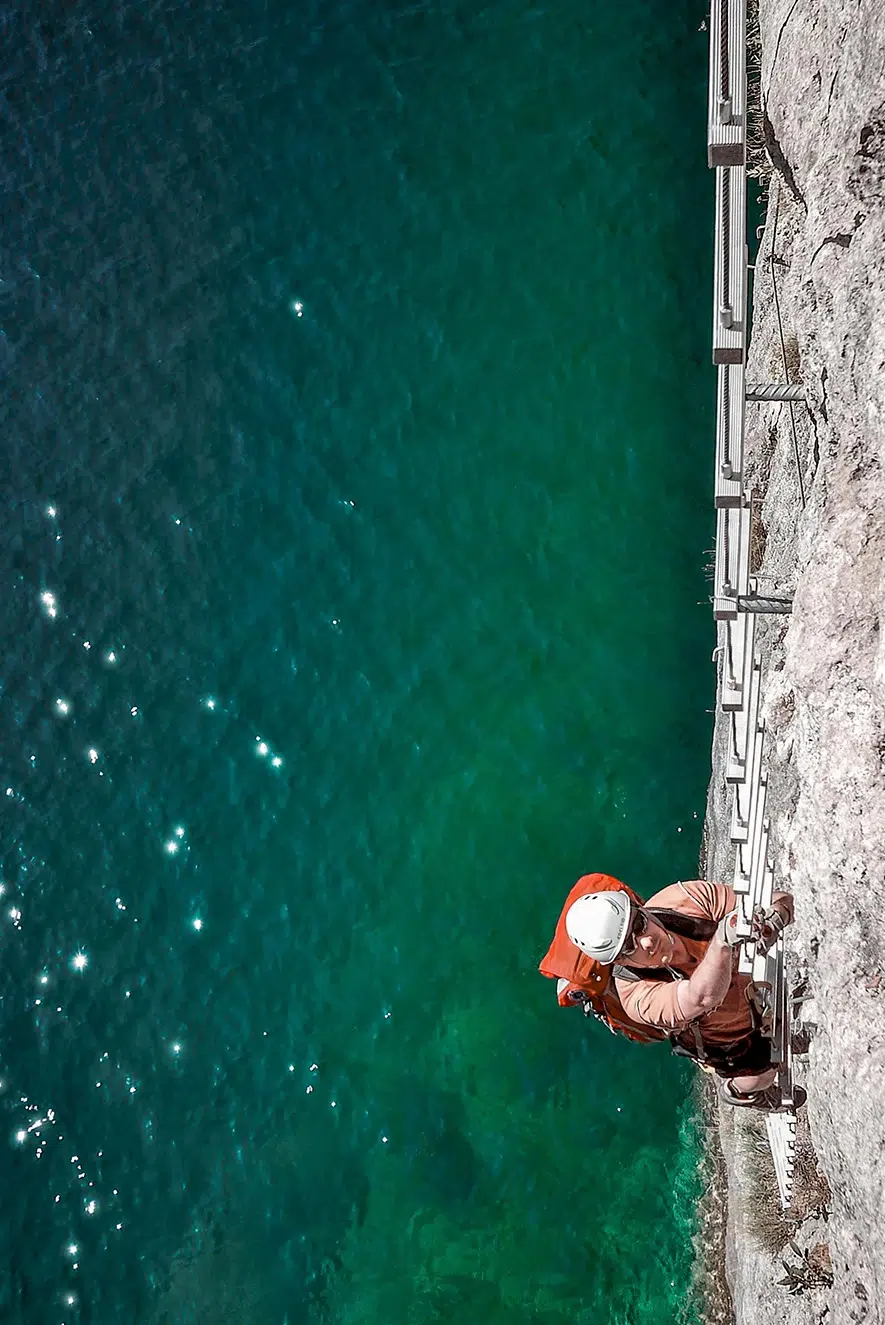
x=820 y=535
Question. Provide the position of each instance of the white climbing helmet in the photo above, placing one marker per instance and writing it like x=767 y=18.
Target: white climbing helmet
x=597 y=923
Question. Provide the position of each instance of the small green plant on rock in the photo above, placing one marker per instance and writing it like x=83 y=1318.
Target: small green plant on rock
x=812 y=1270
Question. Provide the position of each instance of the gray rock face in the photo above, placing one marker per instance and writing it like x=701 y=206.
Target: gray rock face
x=819 y=472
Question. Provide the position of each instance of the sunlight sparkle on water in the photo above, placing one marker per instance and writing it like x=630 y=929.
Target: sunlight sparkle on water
x=80 y=961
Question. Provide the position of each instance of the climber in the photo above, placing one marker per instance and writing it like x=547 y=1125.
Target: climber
x=667 y=969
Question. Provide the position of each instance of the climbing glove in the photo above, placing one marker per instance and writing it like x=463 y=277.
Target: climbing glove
x=771 y=926
x=728 y=929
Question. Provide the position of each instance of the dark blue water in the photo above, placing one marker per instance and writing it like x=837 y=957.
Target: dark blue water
x=355 y=441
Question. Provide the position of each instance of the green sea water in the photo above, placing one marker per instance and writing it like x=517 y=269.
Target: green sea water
x=356 y=443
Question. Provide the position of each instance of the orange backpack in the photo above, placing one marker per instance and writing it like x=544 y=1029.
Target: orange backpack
x=588 y=983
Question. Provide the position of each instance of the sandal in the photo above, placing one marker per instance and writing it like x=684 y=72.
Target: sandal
x=768 y=1100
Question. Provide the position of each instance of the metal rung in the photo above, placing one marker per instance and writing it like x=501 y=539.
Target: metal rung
x=727 y=94
x=730 y=408
x=731 y=571
x=739 y=638
x=730 y=260
x=757 y=846
x=781 y=1129
x=748 y=803
x=744 y=812
x=751 y=963
x=744 y=729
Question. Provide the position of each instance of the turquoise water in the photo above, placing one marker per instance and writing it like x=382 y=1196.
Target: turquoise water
x=356 y=485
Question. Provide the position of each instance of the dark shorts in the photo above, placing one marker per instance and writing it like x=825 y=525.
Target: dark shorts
x=746 y=1057
x=749 y=1057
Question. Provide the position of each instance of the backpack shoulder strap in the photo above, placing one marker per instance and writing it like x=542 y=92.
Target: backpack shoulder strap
x=687 y=927
x=650 y=973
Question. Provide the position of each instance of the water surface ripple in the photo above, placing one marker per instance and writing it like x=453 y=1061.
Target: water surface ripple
x=355 y=466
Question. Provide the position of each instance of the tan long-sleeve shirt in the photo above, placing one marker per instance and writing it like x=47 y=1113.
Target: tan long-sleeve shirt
x=655 y=1002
